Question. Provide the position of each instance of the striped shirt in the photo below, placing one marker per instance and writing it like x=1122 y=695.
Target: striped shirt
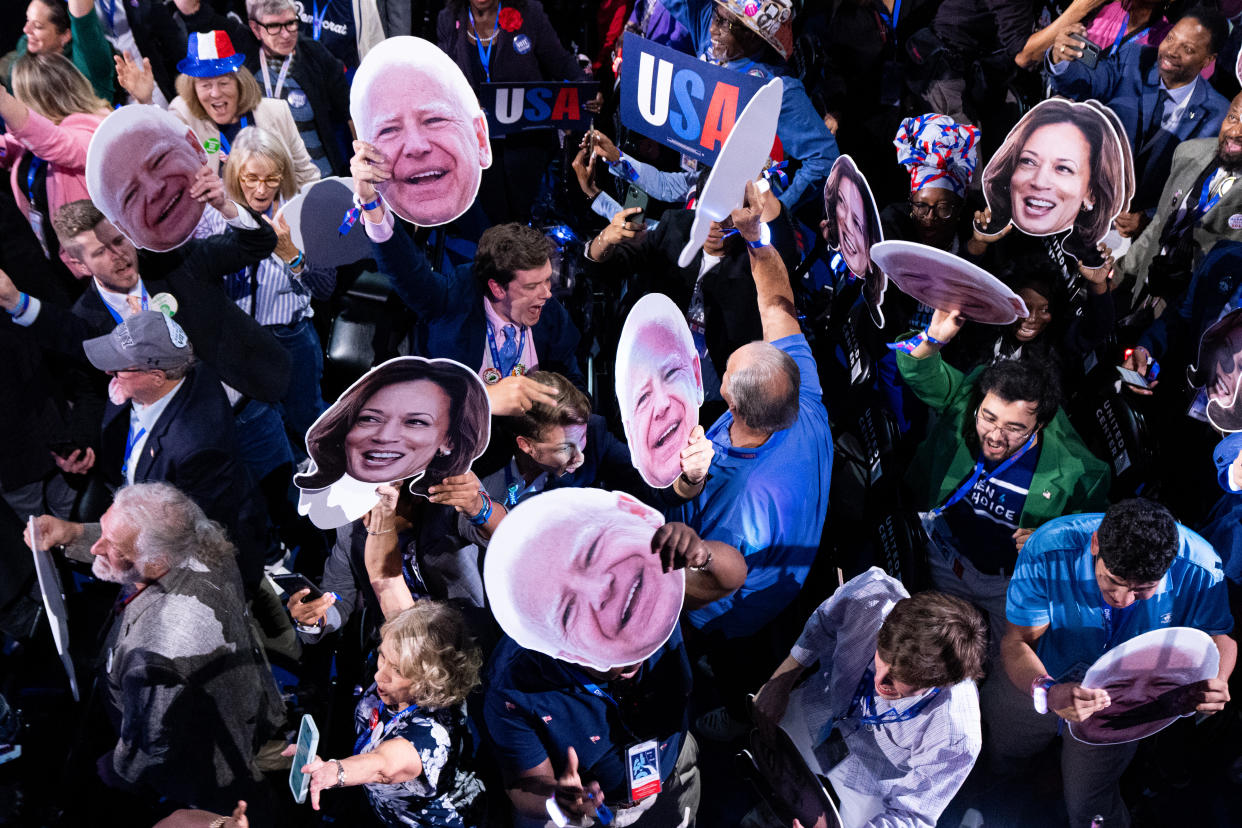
x=914 y=767
x=268 y=291
x=299 y=104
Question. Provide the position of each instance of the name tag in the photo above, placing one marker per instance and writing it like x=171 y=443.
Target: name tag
x=643 y=768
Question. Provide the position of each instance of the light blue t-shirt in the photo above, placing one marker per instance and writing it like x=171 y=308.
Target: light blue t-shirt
x=1054 y=583
x=769 y=502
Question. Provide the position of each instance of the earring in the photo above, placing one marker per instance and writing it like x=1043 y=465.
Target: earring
x=1087 y=206
x=444 y=452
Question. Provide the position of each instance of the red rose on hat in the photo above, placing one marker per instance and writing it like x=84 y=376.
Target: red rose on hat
x=510 y=20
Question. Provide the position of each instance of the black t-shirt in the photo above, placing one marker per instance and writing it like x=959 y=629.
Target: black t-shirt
x=337 y=29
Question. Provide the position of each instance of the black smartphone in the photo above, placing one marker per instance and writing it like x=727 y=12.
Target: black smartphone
x=289 y=583
x=635 y=197
x=1090 y=51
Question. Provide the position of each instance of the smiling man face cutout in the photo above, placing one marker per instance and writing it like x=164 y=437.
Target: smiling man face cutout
x=140 y=166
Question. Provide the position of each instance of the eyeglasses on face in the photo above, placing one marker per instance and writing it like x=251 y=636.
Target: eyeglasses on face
x=252 y=180
x=719 y=21
x=277 y=27
x=1011 y=432
x=942 y=209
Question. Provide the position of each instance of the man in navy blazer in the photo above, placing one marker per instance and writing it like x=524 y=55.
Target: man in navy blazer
x=1136 y=82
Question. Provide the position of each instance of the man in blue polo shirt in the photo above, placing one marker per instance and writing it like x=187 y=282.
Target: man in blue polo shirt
x=1083 y=585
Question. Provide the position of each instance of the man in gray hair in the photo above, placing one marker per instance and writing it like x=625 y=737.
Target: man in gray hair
x=187 y=685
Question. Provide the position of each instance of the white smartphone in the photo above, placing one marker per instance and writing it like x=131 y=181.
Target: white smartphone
x=308 y=743
x=1132 y=377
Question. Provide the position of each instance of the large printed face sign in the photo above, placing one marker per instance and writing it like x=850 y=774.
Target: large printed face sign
x=412 y=102
x=140 y=166
x=1064 y=165
x=852 y=227
x=570 y=574
x=659 y=387
x=410 y=420
x=1219 y=371
x=941 y=280
x=1150 y=681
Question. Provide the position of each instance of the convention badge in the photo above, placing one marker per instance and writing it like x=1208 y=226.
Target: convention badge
x=941 y=280
x=659 y=385
x=491 y=376
x=1150 y=681
x=211 y=145
x=146 y=193
x=401 y=84
x=165 y=303
x=1235 y=221
x=1218 y=371
x=642 y=766
x=853 y=227
x=550 y=549
x=742 y=158
x=36 y=224
x=521 y=44
x=1056 y=138
x=354 y=450
x=296 y=99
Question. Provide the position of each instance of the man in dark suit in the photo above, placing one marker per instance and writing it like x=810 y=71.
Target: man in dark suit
x=1157 y=93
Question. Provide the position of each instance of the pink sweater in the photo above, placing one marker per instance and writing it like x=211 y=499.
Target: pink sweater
x=63 y=146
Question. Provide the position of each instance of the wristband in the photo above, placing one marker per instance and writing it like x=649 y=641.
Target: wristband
x=296 y=263
x=764 y=240
x=23 y=302
x=485 y=513
x=910 y=345
x=1039 y=692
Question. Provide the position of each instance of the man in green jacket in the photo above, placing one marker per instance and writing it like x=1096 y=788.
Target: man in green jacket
x=1001 y=460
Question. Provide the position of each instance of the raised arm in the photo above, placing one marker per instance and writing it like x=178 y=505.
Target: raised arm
x=383 y=555
x=777 y=312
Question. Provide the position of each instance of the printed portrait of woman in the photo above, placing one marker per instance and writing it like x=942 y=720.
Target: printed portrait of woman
x=1219 y=371
x=570 y=574
x=851 y=226
x=1065 y=166
x=941 y=280
x=410 y=420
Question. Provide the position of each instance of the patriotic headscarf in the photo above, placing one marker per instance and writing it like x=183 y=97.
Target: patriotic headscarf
x=938 y=152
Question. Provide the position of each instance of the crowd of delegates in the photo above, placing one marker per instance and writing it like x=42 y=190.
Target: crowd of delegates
x=1055 y=511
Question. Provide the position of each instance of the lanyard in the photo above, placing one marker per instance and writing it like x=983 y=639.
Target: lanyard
x=521 y=350
x=280 y=79
x=225 y=143
x=131 y=440
x=864 y=697
x=116 y=316
x=35 y=163
x=978 y=476
x=514 y=491
x=1113 y=619
x=369 y=736
x=1121 y=34
x=890 y=20
x=317 y=18
x=485 y=56
x=1208 y=199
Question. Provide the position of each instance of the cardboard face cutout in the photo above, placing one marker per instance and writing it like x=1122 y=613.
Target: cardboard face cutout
x=1148 y=681
x=570 y=574
x=1219 y=371
x=413 y=104
x=53 y=601
x=741 y=159
x=411 y=420
x=316 y=216
x=659 y=387
x=852 y=227
x=1064 y=165
x=140 y=166
x=941 y=280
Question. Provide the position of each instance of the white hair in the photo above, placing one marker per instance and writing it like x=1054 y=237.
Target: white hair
x=652 y=310
x=416 y=53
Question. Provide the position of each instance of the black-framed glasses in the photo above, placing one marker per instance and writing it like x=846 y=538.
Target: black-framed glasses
x=1013 y=433
x=942 y=209
x=276 y=28
x=733 y=27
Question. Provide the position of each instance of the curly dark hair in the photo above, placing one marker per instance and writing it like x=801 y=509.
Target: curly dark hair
x=469 y=420
x=933 y=640
x=1138 y=540
x=1022 y=379
x=505 y=249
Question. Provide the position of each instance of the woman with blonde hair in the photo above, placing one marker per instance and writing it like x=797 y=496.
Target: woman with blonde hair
x=413 y=737
x=278 y=291
x=50 y=120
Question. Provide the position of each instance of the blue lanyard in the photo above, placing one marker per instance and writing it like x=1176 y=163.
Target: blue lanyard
x=864 y=697
x=116 y=316
x=1121 y=34
x=131 y=440
x=977 y=475
x=491 y=344
x=317 y=18
x=485 y=56
x=514 y=491
x=1112 y=624
x=227 y=145
x=1206 y=199
x=35 y=163
x=596 y=690
x=111 y=9
x=891 y=19
x=369 y=734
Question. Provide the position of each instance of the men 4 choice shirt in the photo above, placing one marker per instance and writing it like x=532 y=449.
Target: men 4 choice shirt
x=983 y=522
x=1054 y=583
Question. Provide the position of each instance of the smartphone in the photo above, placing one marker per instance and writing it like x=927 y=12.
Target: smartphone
x=636 y=197
x=290 y=583
x=1090 y=51
x=308 y=743
x=1132 y=377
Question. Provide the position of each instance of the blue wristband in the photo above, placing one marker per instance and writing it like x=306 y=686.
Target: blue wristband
x=293 y=265
x=372 y=205
x=485 y=513
x=23 y=302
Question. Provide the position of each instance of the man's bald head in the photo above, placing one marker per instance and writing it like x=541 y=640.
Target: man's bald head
x=761 y=387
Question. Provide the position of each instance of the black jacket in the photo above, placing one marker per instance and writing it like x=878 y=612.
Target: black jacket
x=544 y=58
x=158 y=38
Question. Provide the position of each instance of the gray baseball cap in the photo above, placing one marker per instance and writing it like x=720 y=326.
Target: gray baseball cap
x=146 y=341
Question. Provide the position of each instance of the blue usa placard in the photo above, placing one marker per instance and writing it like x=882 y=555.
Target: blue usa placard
x=520 y=107
x=682 y=102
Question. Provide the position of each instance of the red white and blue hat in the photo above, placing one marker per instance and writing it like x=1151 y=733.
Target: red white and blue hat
x=210 y=55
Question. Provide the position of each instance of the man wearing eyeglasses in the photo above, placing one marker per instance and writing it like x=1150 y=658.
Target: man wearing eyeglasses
x=1001 y=460
x=302 y=72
